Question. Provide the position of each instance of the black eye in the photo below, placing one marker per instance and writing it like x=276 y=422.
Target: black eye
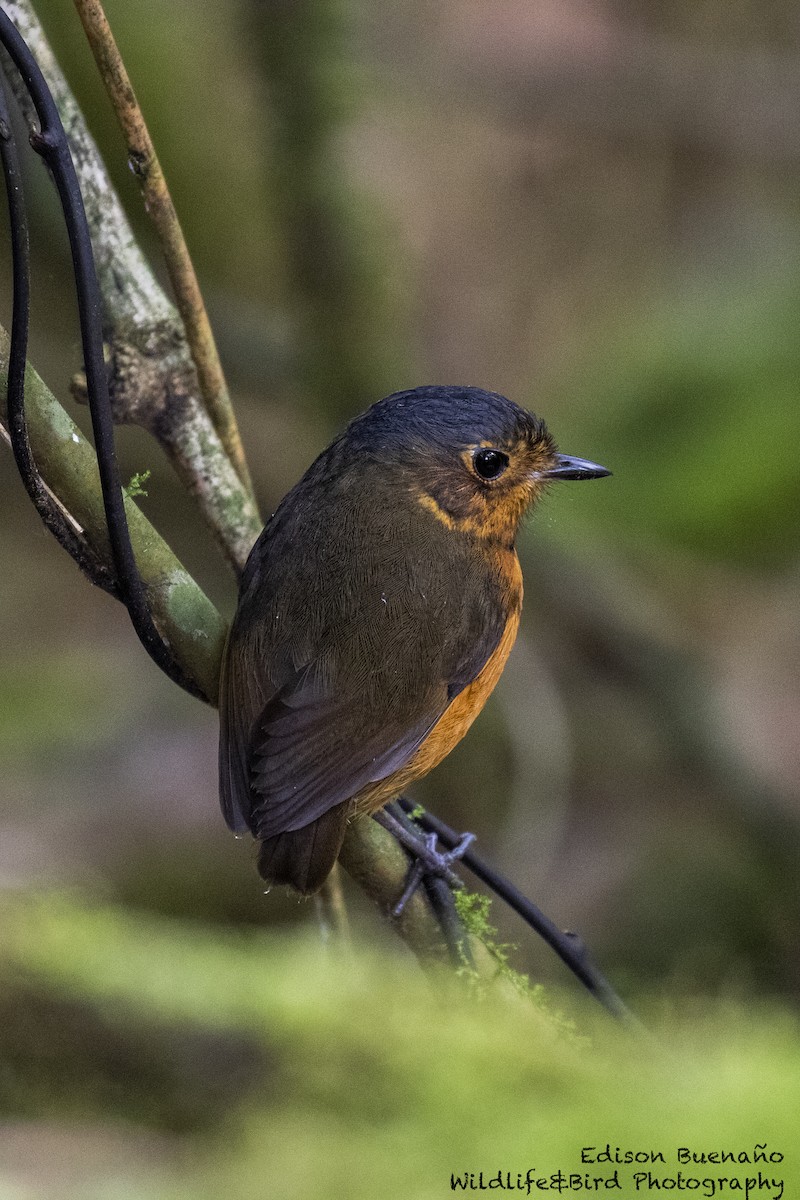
x=489 y=464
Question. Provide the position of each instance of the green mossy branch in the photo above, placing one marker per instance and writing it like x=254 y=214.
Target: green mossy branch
x=68 y=465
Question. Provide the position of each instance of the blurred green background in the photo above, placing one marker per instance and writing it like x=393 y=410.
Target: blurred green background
x=590 y=205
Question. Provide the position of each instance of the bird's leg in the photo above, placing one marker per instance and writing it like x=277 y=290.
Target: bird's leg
x=428 y=860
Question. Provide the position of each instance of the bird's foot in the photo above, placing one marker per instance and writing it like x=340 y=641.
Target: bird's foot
x=427 y=858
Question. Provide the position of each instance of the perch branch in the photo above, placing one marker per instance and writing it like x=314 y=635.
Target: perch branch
x=54 y=516
x=569 y=947
x=161 y=211
x=373 y=858
x=153 y=381
x=51 y=144
x=68 y=465
x=332 y=916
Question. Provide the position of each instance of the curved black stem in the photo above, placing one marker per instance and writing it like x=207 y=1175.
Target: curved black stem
x=51 y=143
x=52 y=514
x=568 y=946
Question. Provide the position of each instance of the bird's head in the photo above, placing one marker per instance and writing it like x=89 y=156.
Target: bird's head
x=474 y=459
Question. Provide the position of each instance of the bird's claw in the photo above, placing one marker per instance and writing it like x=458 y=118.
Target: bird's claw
x=432 y=862
x=427 y=858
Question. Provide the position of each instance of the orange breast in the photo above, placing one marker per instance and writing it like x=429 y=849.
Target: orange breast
x=458 y=716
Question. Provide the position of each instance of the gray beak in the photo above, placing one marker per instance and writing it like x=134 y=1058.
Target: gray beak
x=568 y=467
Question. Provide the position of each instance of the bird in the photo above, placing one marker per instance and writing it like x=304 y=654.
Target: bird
x=375 y=615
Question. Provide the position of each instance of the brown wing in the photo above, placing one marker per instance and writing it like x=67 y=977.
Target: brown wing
x=307 y=760
x=308 y=751
x=338 y=666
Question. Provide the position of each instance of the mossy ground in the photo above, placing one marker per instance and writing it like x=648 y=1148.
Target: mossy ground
x=347 y=1075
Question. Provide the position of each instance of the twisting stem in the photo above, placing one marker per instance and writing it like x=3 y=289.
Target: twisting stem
x=68 y=465
x=152 y=377
x=331 y=909
x=161 y=211
x=54 y=515
x=51 y=144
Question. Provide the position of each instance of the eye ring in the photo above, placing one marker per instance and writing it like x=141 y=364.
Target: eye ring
x=489 y=464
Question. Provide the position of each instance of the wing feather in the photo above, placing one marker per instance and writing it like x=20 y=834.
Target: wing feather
x=337 y=666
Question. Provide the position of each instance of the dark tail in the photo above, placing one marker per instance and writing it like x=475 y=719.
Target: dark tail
x=304 y=858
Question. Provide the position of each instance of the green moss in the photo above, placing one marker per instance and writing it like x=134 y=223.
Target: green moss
x=369 y=1082
x=135 y=487
x=474 y=909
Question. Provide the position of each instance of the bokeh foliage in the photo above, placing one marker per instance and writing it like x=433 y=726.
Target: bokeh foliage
x=293 y=1072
